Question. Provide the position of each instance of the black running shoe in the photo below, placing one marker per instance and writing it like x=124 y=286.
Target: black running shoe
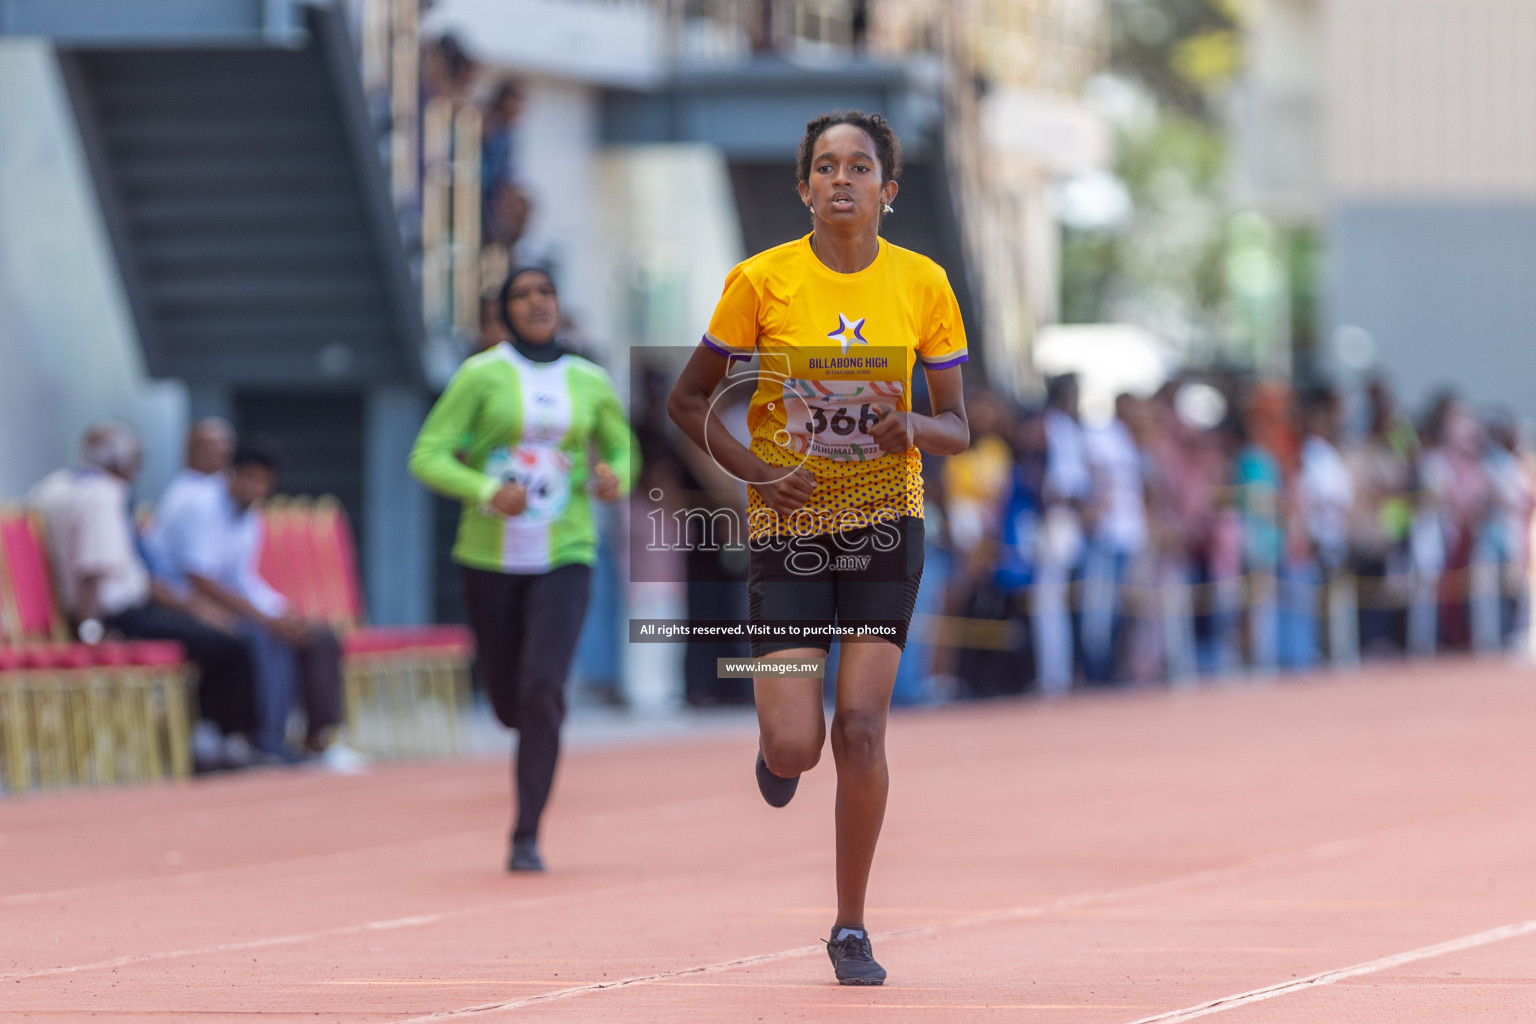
x=776 y=790
x=852 y=958
x=525 y=856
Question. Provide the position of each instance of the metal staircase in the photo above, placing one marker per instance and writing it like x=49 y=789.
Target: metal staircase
x=248 y=208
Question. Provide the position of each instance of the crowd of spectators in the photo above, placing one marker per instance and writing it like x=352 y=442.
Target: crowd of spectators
x=1221 y=526
x=1215 y=527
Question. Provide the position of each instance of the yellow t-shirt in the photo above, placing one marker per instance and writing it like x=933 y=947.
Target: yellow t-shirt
x=833 y=348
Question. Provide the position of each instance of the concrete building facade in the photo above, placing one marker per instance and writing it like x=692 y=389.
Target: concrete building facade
x=1405 y=131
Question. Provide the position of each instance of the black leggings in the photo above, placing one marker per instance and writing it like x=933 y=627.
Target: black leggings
x=526 y=627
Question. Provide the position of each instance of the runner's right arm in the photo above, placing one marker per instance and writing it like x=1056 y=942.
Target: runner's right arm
x=689 y=407
x=432 y=456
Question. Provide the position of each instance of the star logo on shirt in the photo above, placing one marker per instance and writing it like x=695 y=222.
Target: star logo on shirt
x=845 y=327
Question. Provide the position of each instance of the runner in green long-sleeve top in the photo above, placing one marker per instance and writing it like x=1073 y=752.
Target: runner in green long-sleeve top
x=511 y=438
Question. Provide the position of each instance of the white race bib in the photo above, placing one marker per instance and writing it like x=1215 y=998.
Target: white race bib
x=833 y=418
x=543 y=470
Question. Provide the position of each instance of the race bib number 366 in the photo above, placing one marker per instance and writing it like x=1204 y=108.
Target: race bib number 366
x=833 y=418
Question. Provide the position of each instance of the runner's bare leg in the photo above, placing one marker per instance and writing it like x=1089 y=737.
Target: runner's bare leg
x=866 y=675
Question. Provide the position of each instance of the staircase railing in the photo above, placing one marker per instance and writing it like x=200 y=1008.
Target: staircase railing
x=432 y=151
x=450 y=216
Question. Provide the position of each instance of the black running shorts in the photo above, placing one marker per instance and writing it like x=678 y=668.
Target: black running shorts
x=864 y=581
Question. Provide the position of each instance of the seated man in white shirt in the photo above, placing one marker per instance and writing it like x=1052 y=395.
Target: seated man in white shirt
x=208 y=539
x=106 y=587
x=210 y=446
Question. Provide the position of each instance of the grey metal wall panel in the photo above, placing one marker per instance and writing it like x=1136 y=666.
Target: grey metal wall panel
x=757 y=127
x=1448 y=293
x=116 y=23
x=323 y=445
x=399 y=550
x=632 y=118
x=758 y=111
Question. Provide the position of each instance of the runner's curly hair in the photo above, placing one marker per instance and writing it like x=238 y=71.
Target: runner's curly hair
x=887 y=145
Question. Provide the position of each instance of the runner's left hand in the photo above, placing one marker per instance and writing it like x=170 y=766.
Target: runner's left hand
x=605 y=482
x=893 y=430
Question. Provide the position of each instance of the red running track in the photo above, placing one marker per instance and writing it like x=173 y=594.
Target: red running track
x=1352 y=849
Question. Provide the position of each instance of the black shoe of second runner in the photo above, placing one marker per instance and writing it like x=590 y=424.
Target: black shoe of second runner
x=852 y=958
x=777 y=790
x=525 y=856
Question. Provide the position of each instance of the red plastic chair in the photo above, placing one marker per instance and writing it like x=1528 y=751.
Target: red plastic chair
x=317 y=588
x=26 y=580
x=447 y=640
x=336 y=559
x=283 y=558
x=72 y=713
x=402 y=683
x=309 y=555
x=26 y=585
x=270 y=561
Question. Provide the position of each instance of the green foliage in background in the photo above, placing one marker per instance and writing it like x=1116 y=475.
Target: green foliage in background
x=1166 y=268
x=1185 y=52
x=1169 y=267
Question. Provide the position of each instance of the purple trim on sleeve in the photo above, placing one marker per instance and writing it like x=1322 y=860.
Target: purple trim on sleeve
x=715 y=346
x=946 y=363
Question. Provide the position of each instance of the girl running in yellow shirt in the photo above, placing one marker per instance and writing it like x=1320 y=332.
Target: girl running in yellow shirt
x=837 y=320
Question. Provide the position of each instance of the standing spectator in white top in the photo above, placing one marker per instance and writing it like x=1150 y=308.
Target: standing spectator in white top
x=1508 y=530
x=1119 y=537
x=107 y=588
x=1328 y=489
x=207 y=538
x=1327 y=498
x=1068 y=486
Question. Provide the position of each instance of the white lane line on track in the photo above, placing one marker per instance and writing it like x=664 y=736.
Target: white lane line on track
x=387 y=924
x=1386 y=963
x=185 y=879
x=275 y=940
x=599 y=986
x=1322 y=851
x=671 y=812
